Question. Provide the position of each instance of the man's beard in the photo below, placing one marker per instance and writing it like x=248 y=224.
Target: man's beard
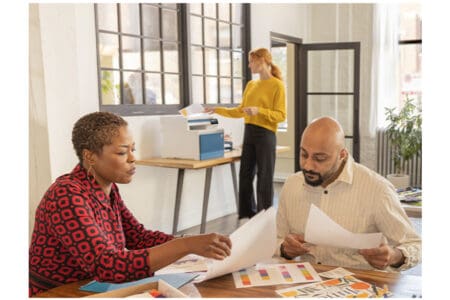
x=316 y=182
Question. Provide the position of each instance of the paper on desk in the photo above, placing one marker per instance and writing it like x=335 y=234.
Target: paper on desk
x=253 y=242
x=187 y=264
x=336 y=273
x=322 y=230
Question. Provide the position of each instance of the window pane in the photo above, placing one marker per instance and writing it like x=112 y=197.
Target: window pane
x=110 y=87
x=171 y=5
x=237 y=90
x=107 y=17
x=195 y=8
x=152 y=55
x=338 y=107
x=225 y=63
x=172 y=89
x=279 y=58
x=330 y=71
x=197 y=60
x=211 y=90
x=209 y=10
x=196 y=30
x=131 y=53
x=129 y=17
x=237 y=64
x=210 y=33
x=411 y=71
x=170 y=25
x=170 y=57
x=224 y=35
x=211 y=61
x=236 y=13
x=225 y=90
x=150 y=19
x=410 y=21
x=132 y=88
x=108 y=50
x=153 y=88
x=197 y=89
x=224 y=11
x=237 y=37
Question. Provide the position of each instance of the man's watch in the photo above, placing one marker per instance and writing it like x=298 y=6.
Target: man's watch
x=283 y=254
x=402 y=261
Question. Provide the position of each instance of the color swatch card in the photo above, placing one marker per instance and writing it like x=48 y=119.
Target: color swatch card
x=275 y=274
x=344 y=287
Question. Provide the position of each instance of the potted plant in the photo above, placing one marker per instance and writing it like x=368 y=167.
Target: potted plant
x=404 y=133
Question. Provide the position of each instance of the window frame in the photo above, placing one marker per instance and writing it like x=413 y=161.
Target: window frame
x=218 y=49
x=184 y=44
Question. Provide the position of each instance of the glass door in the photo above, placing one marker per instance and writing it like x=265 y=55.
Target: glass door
x=329 y=86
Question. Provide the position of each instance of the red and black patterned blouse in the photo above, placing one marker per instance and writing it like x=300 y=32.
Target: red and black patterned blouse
x=79 y=234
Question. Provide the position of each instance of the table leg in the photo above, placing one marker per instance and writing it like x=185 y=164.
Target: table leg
x=178 y=200
x=233 y=175
x=206 y=199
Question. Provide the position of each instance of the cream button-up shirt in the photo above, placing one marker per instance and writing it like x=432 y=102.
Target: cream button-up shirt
x=361 y=201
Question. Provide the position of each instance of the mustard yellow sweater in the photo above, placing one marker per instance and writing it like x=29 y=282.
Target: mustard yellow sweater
x=269 y=96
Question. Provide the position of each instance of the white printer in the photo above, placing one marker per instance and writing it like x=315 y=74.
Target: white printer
x=193 y=137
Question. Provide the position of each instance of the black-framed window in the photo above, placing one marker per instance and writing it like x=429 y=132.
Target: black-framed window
x=217 y=52
x=144 y=52
x=410 y=51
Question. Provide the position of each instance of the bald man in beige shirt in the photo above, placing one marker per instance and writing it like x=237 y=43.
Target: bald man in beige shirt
x=352 y=195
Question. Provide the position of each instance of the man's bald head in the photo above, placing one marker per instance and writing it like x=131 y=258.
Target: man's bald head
x=322 y=151
x=325 y=131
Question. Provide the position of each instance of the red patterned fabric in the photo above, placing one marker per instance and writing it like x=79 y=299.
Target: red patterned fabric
x=79 y=233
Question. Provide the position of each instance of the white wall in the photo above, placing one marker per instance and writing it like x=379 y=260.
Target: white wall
x=63 y=87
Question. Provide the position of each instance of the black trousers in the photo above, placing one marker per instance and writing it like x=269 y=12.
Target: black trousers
x=258 y=157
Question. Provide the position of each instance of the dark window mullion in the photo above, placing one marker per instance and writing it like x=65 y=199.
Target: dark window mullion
x=161 y=57
x=184 y=54
x=407 y=42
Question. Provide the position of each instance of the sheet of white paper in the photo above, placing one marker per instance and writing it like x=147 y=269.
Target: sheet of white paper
x=192 y=109
x=322 y=230
x=252 y=242
x=336 y=273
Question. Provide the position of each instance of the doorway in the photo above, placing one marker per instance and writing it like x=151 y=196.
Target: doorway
x=321 y=79
x=284 y=51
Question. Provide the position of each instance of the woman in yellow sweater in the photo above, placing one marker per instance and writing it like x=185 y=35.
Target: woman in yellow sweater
x=262 y=107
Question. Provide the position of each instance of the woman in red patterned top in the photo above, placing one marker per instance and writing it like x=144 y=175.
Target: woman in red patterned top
x=83 y=229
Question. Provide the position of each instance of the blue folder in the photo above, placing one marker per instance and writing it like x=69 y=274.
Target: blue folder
x=175 y=280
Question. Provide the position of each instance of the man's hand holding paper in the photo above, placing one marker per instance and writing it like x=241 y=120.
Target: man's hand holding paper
x=295 y=245
x=382 y=256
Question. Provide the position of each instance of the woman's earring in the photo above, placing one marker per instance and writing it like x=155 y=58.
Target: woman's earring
x=91 y=171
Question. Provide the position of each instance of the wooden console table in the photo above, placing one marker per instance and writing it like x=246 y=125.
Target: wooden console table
x=183 y=164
